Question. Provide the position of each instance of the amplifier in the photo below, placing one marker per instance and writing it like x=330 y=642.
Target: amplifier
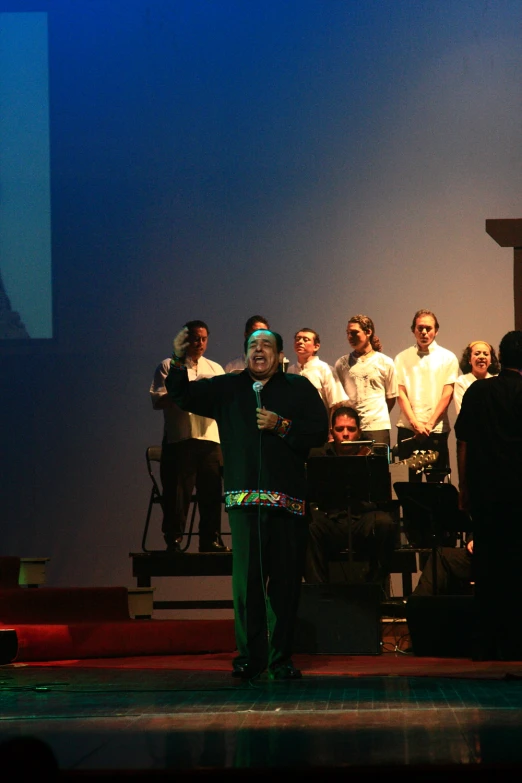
x=342 y=619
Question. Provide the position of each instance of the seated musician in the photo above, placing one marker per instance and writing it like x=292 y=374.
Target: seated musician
x=372 y=530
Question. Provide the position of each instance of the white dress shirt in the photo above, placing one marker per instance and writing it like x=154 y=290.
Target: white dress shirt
x=181 y=425
x=323 y=377
x=424 y=375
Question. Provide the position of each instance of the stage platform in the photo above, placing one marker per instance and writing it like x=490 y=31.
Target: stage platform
x=147 y=566
x=185 y=717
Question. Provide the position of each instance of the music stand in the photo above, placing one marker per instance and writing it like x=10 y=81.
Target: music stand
x=438 y=503
x=334 y=482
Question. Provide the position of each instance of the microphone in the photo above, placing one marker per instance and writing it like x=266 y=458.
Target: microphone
x=258 y=388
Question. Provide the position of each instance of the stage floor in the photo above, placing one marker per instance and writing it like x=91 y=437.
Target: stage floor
x=106 y=715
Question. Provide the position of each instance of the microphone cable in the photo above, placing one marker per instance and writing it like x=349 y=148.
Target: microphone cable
x=258 y=387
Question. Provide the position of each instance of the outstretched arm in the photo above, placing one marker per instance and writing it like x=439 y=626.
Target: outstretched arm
x=197 y=397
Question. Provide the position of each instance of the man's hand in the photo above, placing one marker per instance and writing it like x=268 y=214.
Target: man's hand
x=469 y=546
x=181 y=343
x=266 y=420
x=421 y=431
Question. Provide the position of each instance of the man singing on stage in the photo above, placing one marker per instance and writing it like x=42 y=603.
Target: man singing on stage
x=268 y=421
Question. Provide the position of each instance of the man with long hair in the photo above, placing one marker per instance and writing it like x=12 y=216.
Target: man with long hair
x=368 y=378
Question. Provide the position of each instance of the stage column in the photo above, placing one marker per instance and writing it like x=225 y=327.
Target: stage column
x=508 y=233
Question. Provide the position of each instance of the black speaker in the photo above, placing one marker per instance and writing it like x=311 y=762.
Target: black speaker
x=339 y=619
x=441 y=626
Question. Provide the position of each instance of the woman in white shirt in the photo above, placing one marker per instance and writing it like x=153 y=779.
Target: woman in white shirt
x=478 y=361
x=368 y=378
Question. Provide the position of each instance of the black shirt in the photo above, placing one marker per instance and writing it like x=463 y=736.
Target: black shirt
x=490 y=423
x=254 y=460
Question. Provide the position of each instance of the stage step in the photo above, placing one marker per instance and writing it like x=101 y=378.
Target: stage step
x=22 y=571
x=30 y=572
x=33 y=571
x=153 y=564
x=141 y=602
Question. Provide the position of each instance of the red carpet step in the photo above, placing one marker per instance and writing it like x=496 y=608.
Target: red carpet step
x=78 y=623
x=58 y=642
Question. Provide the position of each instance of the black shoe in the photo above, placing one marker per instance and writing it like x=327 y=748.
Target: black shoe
x=216 y=546
x=245 y=671
x=286 y=671
x=174 y=546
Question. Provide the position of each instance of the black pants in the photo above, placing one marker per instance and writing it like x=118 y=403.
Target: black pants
x=436 y=472
x=372 y=534
x=268 y=554
x=185 y=465
x=497 y=556
x=454 y=573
